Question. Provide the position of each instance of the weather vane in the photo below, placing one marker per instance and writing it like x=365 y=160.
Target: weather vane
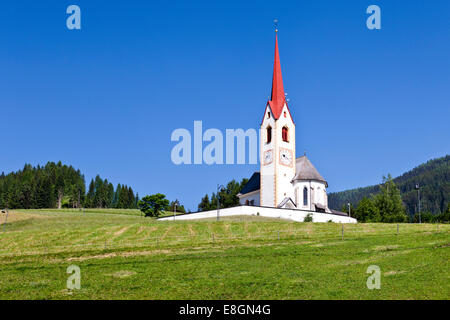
x=275 y=23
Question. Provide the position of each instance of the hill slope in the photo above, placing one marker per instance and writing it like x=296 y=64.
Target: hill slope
x=433 y=177
x=123 y=256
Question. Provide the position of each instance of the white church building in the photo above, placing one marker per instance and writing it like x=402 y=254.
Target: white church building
x=285 y=187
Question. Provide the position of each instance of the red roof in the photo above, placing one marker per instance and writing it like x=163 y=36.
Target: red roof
x=277 y=99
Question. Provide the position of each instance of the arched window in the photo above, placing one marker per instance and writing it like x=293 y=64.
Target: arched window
x=269 y=134
x=318 y=196
x=285 y=134
x=305 y=196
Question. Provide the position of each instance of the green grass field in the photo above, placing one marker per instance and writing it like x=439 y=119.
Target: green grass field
x=125 y=256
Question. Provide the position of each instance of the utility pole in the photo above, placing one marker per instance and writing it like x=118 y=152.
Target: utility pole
x=79 y=199
x=418 y=199
x=219 y=188
x=175 y=208
x=349 y=213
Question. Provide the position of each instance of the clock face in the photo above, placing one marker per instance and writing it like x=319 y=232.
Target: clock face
x=268 y=157
x=286 y=157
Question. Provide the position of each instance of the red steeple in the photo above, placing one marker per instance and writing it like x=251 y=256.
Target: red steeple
x=277 y=99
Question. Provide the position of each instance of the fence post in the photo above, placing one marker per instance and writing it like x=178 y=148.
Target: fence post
x=105 y=244
x=6 y=220
x=213 y=237
x=342 y=232
x=397 y=228
x=278 y=235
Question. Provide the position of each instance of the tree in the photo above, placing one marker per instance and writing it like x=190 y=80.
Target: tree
x=136 y=201
x=131 y=198
x=110 y=195
x=153 y=205
x=227 y=196
x=444 y=217
x=204 y=205
x=433 y=178
x=389 y=202
x=90 y=196
x=54 y=186
x=425 y=217
x=367 y=211
x=179 y=206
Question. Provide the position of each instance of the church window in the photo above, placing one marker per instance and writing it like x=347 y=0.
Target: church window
x=285 y=114
x=269 y=134
x=268 y=115
x=247 y=202
x=285 y=134
x=305 y=196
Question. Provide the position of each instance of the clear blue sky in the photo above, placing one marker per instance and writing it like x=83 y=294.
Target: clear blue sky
x=105 y=99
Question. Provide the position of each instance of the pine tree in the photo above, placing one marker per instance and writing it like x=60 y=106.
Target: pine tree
x=389 y=202
x=130 y=202
x=90 y=196
x=367 y=211
x=136 y=201
x=110 y=195
x=204 y=204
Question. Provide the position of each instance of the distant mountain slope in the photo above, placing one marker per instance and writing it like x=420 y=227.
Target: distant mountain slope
x=433 y=177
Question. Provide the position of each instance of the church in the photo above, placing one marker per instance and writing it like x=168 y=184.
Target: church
x=285 y=187
x=283 y=180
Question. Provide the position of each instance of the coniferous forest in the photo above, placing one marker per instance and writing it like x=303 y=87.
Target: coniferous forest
x=60 y=186
x=433 y=178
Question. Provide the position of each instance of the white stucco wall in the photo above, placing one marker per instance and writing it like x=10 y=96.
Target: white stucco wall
x=316 y=193
x=252 y=196
x=288 y=214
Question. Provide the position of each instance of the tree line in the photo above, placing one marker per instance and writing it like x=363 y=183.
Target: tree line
x=387 y=206
x=226 y=197
x=433 y=178
x=60 y=186
x=101 y=194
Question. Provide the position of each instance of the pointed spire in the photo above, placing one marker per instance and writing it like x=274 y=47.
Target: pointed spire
x=277 y=99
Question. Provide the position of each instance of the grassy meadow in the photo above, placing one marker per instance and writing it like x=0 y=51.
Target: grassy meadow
x=123 y=255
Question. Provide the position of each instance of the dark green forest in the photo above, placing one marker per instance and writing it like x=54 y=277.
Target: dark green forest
x=433 y=178
x=60 y=186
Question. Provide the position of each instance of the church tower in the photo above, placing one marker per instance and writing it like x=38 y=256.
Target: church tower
x=277 y=149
